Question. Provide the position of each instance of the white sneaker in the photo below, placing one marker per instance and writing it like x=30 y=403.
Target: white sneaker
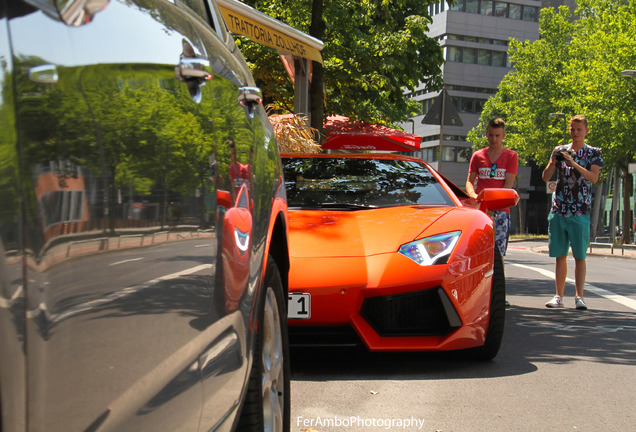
x=579 y=303
x=556 y=302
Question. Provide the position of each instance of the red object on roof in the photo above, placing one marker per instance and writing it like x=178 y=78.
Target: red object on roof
x=342 y=134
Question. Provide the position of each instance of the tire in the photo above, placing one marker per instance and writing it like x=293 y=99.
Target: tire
x=267 y=404
x=495 y=332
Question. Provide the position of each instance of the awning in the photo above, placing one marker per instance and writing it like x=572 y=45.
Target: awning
x=265 y=30
x=342 y=134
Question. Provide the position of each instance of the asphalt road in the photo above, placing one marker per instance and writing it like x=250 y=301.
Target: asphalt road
x=557 y=370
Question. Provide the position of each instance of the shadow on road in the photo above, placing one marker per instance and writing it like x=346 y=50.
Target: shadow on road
x=533 y=335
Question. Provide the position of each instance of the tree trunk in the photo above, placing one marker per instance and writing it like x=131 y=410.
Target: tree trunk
x=627 y=196
x=596 y=209
x=614 y=214
x=316 y=105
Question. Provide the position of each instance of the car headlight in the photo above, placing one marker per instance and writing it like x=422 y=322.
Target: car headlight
x=431 y=250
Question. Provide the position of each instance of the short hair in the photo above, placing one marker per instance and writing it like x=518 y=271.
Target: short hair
x=579 y=118
x=497 y=123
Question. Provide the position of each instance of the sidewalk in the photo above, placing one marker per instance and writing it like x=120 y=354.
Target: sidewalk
x=596 y=249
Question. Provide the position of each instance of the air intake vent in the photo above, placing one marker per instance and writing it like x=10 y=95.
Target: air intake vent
x=421 y=313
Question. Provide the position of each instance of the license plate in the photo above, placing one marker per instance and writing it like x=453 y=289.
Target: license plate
x=299 y=306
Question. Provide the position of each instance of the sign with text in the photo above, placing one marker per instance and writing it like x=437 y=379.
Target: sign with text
x=268 y=36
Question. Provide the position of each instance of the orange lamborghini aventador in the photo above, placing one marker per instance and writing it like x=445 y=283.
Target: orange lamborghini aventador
x=385 y=251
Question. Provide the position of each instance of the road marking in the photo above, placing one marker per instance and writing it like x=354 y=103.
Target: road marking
x=54 y=318
x=576 y=328
x=625 y=301
x=125 y=261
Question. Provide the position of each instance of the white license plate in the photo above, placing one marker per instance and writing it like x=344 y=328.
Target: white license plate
x=299 y=306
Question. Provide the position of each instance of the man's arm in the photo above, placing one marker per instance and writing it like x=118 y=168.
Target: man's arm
x=470 y=184
x=510 y=181
x=590 y=175
x=549 y=170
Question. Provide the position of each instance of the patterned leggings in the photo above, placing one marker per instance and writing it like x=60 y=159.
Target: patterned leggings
x=502 y=230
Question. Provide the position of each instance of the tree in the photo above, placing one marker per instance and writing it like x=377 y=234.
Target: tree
x=373 y=51
x=574 y=68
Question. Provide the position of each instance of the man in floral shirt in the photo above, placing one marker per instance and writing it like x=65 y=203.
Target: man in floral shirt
x=577 y=166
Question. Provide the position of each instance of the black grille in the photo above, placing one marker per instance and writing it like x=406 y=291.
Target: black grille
x=309 y=336
x=420 y=313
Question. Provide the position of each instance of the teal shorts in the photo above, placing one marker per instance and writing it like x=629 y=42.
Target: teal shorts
x=569 y=231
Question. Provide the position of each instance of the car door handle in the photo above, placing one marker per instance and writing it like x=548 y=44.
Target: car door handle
x=189 y=68
x=44 y=74
x=250 y=96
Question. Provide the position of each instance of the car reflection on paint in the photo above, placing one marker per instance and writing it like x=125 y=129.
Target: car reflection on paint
x=143 y=279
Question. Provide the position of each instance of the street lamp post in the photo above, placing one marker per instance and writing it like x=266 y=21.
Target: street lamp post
x=565 y=125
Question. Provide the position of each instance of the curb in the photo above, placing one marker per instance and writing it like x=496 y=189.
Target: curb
x=608 y=251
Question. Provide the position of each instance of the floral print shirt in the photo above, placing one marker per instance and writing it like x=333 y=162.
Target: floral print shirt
x=573 y=193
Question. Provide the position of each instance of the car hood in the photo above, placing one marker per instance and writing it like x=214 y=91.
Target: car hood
x=358 y=233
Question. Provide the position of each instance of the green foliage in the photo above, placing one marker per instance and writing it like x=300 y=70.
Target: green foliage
x=373 y=50
x=574 y=68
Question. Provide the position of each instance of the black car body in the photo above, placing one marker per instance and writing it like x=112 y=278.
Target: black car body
x=143 y=230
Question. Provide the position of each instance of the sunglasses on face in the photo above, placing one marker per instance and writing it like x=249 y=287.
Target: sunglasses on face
x=493 y=170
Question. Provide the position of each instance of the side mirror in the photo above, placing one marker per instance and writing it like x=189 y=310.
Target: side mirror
x=224 y=199
x=490 y=199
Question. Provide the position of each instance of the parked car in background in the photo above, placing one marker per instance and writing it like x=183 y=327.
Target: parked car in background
x=143 y=223
x=387 y=254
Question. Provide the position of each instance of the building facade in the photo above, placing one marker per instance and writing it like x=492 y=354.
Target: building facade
x=474 y=35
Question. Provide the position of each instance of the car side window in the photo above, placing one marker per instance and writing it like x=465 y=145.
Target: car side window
x=217 y=20
x=197 y=6
x=209 y=13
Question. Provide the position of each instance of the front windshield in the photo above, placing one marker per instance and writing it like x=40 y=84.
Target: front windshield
x=361 y=182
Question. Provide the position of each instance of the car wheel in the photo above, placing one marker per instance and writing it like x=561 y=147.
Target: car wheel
x=266 y=406
x=497 y=312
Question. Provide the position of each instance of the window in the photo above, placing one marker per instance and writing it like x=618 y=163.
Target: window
x=499 y=58
x=466 y=105
x=463 y=154
x=486 y=7
x=501 y=9
x=426 y=105
x=459 y=5
x=470 y=55
x=454 y=54
x=430 y=154
x=472 y=6
x=447 y=154
x=483 y=57
x=515 y=11
x=62 y=206
x=197 y=6
x=491 y=8
x=529 y=13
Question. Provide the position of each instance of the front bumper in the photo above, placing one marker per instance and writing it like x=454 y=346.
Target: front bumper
x=393 y=304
